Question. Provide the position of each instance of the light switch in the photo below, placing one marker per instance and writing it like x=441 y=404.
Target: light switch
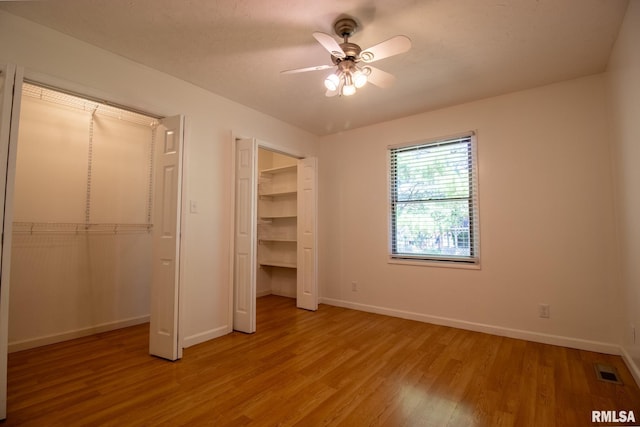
x=193 y=206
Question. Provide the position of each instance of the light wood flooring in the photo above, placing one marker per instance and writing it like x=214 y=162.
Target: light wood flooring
x=331 y=367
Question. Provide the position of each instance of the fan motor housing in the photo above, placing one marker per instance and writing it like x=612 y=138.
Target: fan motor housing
x=345 y=27
x=351 y=50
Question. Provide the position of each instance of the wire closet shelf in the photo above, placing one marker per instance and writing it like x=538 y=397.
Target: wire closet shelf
x=93 y=107
x=78 y=228
x=89 y=105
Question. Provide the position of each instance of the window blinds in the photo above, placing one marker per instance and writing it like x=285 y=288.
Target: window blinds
x=433 y=200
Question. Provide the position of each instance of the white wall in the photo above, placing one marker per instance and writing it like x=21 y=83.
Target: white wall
x=210 y=121
x=546 y=219
x=66 y=285
x=624 y=85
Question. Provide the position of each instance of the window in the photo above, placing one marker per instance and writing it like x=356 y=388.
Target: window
x=433 y=200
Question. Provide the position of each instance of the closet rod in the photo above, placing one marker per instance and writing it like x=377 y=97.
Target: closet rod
x=77 y=228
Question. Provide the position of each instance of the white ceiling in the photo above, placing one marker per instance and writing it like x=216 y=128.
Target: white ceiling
x=463 y=50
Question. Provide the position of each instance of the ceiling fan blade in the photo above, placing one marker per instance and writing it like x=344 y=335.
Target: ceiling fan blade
x=329 y=43
x=304 y=70
x=394 y=46
x=380 y=78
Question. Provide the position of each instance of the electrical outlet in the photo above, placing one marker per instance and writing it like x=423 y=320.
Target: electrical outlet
x=354 y=286
x=544 y=311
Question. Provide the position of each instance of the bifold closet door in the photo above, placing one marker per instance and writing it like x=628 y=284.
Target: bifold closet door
x=164 y=332
x=244 y=256
x=10 y=95
x=307 y=274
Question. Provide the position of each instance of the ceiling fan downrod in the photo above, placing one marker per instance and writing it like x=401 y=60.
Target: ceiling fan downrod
x=345 y=28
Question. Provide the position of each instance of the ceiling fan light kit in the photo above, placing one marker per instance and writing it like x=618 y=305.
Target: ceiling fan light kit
x=351 y=62
x=347 y=78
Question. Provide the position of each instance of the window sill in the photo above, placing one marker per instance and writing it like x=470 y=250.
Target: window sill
x=433 y=263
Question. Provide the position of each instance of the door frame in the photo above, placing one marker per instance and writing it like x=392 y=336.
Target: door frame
x=232 y=205
x=10 y=137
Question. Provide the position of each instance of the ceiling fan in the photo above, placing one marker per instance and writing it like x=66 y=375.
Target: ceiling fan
x=351 y=62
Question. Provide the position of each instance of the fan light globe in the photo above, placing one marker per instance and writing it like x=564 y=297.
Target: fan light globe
x=332 y=82
x=359 y=79
x=348 y=90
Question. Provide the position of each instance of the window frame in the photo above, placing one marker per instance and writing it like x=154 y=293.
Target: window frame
x=473 y=260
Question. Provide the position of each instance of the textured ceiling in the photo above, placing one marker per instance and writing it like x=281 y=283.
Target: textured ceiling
x=462 y=49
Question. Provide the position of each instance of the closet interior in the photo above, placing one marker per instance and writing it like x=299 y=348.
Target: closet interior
x=82 y=218
x=277 y=224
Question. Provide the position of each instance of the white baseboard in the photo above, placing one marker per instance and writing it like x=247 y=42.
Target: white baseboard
x=600 y=347
x=631 y=364
x=284 y=294
x=77 y=333
x=205 y=336
x=277 y=293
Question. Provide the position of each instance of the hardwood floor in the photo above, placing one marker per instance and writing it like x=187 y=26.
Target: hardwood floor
x=331 y=367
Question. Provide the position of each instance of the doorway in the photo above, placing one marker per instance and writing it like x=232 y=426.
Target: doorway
x=92 y=197
x=275 y=229
x=81 y=247
x=166 y=215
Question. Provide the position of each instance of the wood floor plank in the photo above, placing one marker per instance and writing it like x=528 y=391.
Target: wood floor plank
x=326 y=368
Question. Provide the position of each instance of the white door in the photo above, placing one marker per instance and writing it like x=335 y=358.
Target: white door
x=244 y=256
x=307 y=280
x=167 y=204
x=10 y=95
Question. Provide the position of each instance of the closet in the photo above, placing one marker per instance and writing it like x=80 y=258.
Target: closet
x=277 y=224
x=275 y=210
x=81 y=255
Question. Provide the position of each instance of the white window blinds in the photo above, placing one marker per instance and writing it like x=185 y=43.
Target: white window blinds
x=433 y=200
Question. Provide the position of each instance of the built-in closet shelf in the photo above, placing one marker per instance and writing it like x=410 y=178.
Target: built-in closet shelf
x=278 y=264
x=282 y=169
x=278 y=193
x=277 y=215
x=269 y=217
